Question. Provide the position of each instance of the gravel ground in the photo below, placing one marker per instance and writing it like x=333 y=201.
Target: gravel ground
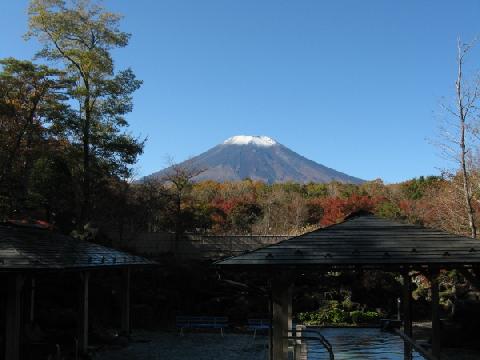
x=460 y=354
x=198 y=346
x=422 y=331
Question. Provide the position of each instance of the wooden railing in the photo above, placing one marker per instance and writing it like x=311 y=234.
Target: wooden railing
x=426 y=354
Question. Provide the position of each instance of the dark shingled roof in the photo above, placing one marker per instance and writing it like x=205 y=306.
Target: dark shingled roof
x=24 y=248
x=366 y=240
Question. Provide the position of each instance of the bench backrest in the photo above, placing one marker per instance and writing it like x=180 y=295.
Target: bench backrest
x=215 y=322
x=258 y=323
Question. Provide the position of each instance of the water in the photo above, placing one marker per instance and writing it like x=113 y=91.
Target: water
x=359 y=344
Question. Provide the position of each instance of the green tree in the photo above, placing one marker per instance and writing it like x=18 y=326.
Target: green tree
x=244 y=215
x=51 y=188
x=314 y=190
x=32 y=99
x=415 y=189
x=82 y=34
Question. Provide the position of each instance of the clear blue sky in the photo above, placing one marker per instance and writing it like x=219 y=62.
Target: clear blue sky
x=354 y=85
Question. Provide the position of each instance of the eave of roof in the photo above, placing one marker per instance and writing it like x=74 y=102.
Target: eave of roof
x=24 y=249
x=365 y=240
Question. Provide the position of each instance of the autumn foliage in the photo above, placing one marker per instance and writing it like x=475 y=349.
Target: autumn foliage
x=251 y=207
x=336 y=209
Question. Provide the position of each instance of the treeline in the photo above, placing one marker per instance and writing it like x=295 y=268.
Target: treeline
x=251 y=207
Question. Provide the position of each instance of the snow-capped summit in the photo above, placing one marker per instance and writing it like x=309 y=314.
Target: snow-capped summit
x=248 y=139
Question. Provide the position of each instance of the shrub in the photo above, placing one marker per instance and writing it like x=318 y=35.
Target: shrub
x=362 y=317
x=333 y=313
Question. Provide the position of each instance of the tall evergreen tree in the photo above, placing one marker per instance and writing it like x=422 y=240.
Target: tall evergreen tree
x=82 y=34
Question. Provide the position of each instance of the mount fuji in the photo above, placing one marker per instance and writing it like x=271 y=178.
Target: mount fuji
x=258 y=158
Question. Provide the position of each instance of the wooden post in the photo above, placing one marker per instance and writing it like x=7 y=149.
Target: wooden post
x=301 y=350
x=126 y=301
x=407 y=314
x=399 y=309
x=436 y=333
x=270 y=328
x=13 y=316
x=280 y=292
x=291 y=331
x=83 y=313
x=32 y=299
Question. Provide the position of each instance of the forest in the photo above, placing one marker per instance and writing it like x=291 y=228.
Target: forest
x=250 y=207
x=67 y=155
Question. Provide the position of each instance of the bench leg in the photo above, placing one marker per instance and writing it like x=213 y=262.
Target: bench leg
x=221 y=331
x=254 y=334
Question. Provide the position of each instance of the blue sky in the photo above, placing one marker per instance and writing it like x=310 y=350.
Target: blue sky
x=354 y=85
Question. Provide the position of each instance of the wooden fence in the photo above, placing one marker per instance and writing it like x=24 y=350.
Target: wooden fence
x=195 y=246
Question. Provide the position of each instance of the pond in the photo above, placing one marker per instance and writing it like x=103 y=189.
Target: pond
x=347 y=343
x=359 y=344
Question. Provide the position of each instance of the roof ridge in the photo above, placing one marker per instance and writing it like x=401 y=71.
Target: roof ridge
x=358 y=213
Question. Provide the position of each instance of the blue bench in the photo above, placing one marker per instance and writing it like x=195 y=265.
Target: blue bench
x=201 y=322
x=258 y=324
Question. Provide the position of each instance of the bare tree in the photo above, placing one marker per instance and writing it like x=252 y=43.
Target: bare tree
x=460 y=135
x=466 y=102
x=178 y=179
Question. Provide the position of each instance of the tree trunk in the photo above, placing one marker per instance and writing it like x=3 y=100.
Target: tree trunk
x=178 y=223
x=463 y=151
x=85 y=213
x=28 y=163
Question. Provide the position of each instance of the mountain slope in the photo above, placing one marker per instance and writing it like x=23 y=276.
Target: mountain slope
x=259 y=158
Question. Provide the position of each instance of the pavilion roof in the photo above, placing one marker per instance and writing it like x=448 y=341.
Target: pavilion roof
x=25 y=248
x=366 y=240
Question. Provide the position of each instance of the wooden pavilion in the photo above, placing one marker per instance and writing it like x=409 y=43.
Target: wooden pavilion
x=361 y=241
x=27 y=253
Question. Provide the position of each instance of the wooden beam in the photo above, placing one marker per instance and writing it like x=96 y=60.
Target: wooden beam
x=13 y=316
x=436 y=333
x=32 y=300
x=407 y=314
x=270 y=328
x=83 y=312
x=280 y=301
x=126 y=301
